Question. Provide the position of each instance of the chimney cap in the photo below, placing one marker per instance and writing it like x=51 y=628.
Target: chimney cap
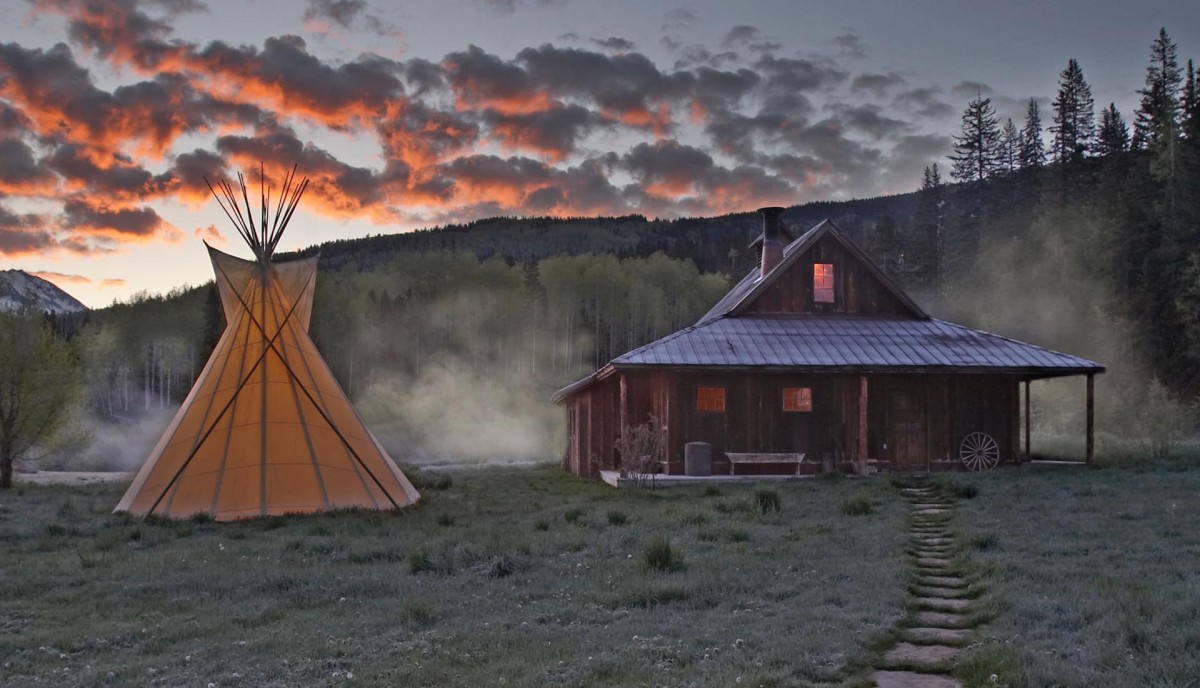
x=772 y=209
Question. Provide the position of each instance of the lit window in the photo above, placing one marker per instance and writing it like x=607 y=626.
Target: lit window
x=823 y=282
x=710 y=398
x=797 y=399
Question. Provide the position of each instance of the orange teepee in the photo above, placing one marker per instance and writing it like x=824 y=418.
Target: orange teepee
x=266 y=429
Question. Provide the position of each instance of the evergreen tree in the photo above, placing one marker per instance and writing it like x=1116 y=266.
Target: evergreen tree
x=1113 y=136
x=1033 y=149
x=928 y=223
x=1191 y=118
x=1074 y=116
x=1010 y=148
x=1157 y=123
x=977 y=149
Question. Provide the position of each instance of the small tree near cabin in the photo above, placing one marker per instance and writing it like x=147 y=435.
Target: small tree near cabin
x=38 y=380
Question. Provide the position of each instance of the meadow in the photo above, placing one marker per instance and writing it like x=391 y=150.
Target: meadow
x=528 y=576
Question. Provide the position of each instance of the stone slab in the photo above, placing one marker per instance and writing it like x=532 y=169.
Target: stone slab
x=943 y=593
x=942 y=604
x=941 y=619
x=937 y=636
x=935 y=562
x=921 y=656
x=942 y=581
x=911 y=679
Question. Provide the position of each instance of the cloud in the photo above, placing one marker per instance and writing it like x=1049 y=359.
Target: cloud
x=878 y=85
x=107 y=224
x=971 y=89
x=615 y=43
x=20 y=173
x=554 y=132
x=62 y=278
x=850 y=46
x=24 y=234
x=924 y=102
x=346 y=14
x=209 y=234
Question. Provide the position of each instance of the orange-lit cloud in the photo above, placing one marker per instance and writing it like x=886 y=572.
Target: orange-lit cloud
x=551 y=130
x=209 y=234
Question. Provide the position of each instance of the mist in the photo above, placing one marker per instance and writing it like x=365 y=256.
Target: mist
x=1041 y=287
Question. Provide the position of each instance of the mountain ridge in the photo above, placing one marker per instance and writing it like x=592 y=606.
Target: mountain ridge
x=20 y=291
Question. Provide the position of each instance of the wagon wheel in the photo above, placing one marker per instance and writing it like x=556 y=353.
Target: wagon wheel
x=979 y=451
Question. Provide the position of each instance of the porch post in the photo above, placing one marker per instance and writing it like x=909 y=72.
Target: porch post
x=862 y=423
x=1028 y=423
x=624 y=404
x=1091 y=417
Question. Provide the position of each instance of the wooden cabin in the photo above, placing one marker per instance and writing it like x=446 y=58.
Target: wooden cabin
x=818 y=361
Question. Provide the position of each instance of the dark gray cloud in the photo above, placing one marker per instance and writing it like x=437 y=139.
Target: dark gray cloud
x=970 y=89
x=24 y=234
x=112 y=224
x=554 y=132
x=20 y=172
x=877 y=85
x=850 y=46
x=924 y=102
x=341 y=12
x=870 y=120
x=615 y=43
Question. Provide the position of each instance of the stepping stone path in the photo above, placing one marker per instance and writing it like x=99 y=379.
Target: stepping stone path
x=941 y=596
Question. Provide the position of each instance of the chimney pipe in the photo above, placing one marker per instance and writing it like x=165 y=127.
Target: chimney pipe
x=772 y=247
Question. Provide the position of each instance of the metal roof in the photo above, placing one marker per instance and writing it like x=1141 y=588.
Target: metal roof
x=727 y=337
x=846 y=343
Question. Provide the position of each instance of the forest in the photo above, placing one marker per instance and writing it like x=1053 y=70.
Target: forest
x=1074 y=229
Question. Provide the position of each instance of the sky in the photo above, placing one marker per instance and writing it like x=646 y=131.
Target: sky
x=421 y=113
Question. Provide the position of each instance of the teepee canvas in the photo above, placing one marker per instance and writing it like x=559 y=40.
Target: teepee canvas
x=266 y=429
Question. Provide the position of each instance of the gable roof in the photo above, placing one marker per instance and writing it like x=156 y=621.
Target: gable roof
x=728 y=338
x=751 y=286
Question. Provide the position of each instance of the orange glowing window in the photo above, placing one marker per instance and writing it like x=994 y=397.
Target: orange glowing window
x=710 y=398
x=823 y=282
x=797 y=399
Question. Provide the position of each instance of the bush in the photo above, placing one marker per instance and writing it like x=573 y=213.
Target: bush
x=420 y=560
x=711 y=491
x=617 y=518
x=573 y=515
x=858 y=506
x=767 y=500
x=660 y=556
x=445 y=520
x=541 y=524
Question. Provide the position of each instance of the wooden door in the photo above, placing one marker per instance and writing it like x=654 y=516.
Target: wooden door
x=907 y=431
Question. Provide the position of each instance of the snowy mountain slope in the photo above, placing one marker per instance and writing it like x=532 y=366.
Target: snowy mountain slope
x=19 y=290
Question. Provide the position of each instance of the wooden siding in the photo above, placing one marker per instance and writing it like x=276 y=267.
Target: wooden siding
x=856 y=290
x=915 y=422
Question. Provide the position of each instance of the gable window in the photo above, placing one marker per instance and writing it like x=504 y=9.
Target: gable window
x=710 y=398
x=797 y=399
x=823 y=282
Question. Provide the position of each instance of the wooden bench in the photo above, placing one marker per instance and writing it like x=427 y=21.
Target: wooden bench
x=740 y=458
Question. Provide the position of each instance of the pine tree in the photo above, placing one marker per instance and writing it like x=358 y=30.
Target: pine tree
x=1191 y=117
x=1113 y=136
x=928 y=223
x=1157 y=123
x=976 y=151
x=1010 y=148
x=1074 y=116
x=1033 y=149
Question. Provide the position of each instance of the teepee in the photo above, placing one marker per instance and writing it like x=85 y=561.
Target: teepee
x=266 y=429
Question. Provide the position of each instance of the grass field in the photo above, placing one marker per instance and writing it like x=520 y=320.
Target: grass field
x=504 y=577
x=525 y=577
x=1094 y=574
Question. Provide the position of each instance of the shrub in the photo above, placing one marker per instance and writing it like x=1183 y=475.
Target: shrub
x=711 y=491
x=501 y=566
x=659 y=555
x=55 y=530
x=641 y=447
x=858 y=506
x=697 y=519
x=445 y=520
x=573 y=515
x=420 y=560
x=617 y=518
x=736 y=535
x=767 y=500
x=541 y=524
x=984 y=542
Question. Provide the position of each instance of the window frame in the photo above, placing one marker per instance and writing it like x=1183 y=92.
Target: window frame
x=802 y=396
x=831 y=289
x=710 y=399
